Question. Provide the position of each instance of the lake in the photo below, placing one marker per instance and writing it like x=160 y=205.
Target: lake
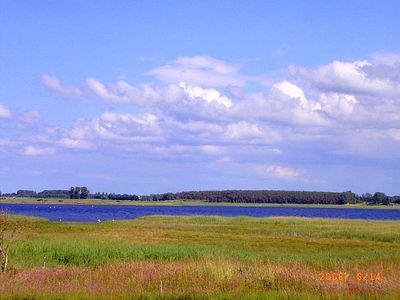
x=93 y=213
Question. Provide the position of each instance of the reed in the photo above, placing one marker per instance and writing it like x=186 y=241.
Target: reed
x=204 y=257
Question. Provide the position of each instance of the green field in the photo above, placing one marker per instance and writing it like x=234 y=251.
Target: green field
x=205 y=257
x=181 y=202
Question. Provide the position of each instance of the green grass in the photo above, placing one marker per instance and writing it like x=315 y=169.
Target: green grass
x=182 y=202
x=322 y=243
x=241 y=258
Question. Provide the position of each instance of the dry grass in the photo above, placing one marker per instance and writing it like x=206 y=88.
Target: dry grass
x=207 y=277
x=204 y=257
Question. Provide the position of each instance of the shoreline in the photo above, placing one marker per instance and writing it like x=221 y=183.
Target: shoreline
x=55 y=201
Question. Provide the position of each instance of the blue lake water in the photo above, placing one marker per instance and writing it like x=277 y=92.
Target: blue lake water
x=92 y=213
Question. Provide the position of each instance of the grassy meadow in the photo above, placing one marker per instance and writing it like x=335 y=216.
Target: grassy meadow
x=205 y=257
x=180 y=202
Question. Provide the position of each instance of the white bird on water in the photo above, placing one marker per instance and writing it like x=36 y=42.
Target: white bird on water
x=98 y=220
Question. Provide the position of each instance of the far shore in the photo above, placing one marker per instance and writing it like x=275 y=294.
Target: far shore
x=179 y=203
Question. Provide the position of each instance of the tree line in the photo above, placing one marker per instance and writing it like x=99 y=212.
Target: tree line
x=76 y=192
x=232 y=196
x=279 y=197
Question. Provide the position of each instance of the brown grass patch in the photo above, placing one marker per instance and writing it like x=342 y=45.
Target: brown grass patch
x=210 y=277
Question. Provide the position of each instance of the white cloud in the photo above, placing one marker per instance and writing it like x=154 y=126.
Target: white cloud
x=286 y=103
x=243 y=130
x=4 y=112
x=338 y=104
x=394 y=133
x=199 y=70
x=348 y=78
x=212 y=149
x=197 y=112
x=205 y=62
x=30 y=117
x=293 y=91
x=386 y=58
x=117 y=94
x=112 y=126
x=35 y=151
x=5 y=142
x=144 y=95
x=55 y=84
x=277 y=171
x=209 y=95
x=75 y=144
x=100 y=90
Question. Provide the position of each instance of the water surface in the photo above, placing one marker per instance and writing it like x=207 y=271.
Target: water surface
x=94 y=213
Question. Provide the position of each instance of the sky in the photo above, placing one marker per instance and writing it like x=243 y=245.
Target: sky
x=163 y=96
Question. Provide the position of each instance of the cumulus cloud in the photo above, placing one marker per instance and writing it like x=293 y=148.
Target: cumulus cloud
x=4 y=112
x=285 y=104
x=338 y=104
x=180 y=100
x=113 y=127
x=357 y=77
x=295 y=92
x=209 y=95
x=55 y=84
x=195 y=113
x=101 y=91
x=145 y=95
x=121 y=92
x=243 y=130
x=35 y=151
x=335 y=92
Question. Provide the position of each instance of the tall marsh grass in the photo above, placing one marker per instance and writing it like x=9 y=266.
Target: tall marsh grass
x=203 y=257
x=199 y=279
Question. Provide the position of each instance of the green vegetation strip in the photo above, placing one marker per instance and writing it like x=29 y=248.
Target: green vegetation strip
x=202 y=258
x=183 y=202
x=315 y=242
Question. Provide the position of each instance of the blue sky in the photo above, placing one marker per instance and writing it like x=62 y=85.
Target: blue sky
x=156 y=96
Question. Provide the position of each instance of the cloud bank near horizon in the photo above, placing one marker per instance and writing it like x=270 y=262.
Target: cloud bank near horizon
x=202 y=110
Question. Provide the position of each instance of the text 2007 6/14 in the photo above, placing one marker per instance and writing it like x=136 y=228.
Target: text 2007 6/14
x=344 y=276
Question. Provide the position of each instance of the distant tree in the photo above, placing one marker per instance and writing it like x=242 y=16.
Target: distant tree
x=342 y=199
x=84 y=192
x=77 y=192
x=264 y=196
x=386 y=200
x=26 y=193
x=168 y=196
x=347 y=197
x=380 y=198
x=72 y=192
x=9 y=229
x=54 y=194
x=366 y=197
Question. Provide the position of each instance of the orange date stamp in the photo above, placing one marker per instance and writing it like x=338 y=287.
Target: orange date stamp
x=345 y=276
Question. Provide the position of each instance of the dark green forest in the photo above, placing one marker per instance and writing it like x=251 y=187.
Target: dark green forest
x=298 y=197
x=231 y=196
